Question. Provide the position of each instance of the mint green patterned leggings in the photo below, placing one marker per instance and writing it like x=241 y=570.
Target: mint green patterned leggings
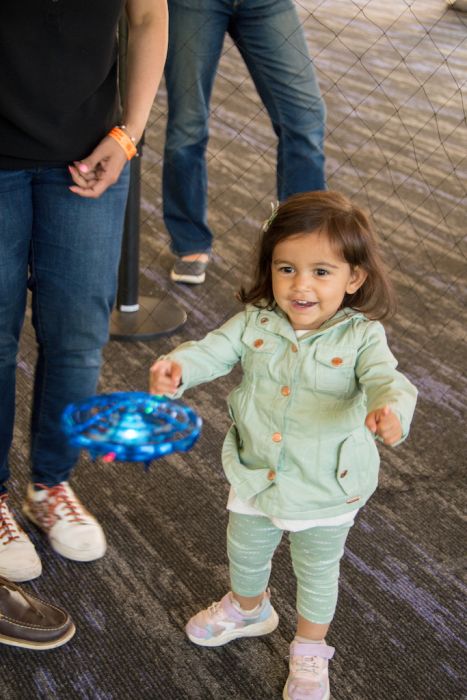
x=316 y=554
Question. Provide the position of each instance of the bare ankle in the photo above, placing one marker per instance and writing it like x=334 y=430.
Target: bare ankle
x=247 y=603
x=311 y=630
x=307 y=640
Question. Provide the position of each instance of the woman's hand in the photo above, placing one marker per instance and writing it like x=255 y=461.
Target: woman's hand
x=146 y=53
x=385 y=424
x=93 y=175
x=165 y=377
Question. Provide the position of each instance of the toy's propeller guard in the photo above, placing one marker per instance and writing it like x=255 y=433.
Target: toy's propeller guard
x=131 y=427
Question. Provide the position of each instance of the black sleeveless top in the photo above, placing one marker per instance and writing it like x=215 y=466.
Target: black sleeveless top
x=58 y=79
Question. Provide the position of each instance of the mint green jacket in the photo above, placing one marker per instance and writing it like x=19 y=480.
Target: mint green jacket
x=298 y=441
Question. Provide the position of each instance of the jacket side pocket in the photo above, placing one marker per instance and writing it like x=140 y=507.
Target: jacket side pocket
x=357 y=467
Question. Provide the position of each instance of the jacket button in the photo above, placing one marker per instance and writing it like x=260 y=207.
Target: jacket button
x=344 y=473
x=271 y=475
x=285 y=391
x=336 y=361
x=277 y=437
x=258 y=343
x=294 y=348
x=264 y=320
x=354 y=499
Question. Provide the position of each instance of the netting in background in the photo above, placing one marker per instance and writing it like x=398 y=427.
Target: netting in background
x=393 y=76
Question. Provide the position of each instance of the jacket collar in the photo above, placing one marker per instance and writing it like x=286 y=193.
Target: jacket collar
x=275 y=321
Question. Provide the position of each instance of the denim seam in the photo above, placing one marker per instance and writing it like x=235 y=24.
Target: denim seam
x=39 y=334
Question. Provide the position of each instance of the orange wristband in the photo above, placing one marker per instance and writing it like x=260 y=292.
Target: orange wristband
x=123 y=140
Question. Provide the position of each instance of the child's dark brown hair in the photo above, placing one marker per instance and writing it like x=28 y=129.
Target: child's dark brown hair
x=349 y=232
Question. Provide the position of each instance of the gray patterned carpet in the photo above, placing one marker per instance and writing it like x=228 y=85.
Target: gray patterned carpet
x=394 y=78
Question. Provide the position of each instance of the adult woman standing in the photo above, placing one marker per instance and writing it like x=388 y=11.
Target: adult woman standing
x=63 y=184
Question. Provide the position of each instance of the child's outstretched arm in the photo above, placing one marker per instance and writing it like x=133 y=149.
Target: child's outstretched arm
x=164 y=377
x=385 y=424
x=196 y=362
x=391 y=397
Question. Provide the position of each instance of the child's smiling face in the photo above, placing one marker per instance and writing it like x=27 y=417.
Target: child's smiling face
x=310 y=279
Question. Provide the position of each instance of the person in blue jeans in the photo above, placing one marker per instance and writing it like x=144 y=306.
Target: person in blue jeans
x=64 y=147
x=270 y=38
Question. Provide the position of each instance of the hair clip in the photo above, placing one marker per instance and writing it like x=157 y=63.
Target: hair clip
x=272 y=216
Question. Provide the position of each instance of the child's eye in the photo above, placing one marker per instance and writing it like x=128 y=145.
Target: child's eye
x=321 y=272
x=286 y=269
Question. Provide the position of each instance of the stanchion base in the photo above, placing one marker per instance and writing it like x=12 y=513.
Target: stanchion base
x=156 y=316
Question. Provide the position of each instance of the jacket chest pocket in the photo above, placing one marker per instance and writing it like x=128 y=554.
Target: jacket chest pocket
x=258 y=351
x=335 y=369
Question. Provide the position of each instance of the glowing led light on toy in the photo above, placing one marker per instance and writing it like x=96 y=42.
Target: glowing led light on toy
x=131 y=427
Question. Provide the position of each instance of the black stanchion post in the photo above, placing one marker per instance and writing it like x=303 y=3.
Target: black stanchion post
x=136 y=317
x=128 y=274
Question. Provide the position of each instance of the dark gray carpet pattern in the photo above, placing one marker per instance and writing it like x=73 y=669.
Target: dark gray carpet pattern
x=394 y=79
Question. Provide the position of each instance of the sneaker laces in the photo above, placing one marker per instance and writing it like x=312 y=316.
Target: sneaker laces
x=305 y=672
x=9 y=529
x=214 y=608
x=307 y=664
x=61 y=495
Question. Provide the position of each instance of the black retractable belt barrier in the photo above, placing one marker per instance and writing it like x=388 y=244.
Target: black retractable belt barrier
x=137 y=317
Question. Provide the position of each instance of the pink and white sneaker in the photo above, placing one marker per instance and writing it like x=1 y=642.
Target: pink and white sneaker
x=225 y=620
x=308 y=672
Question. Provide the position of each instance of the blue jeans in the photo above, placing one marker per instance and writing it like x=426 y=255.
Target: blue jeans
x=271 y=41
x=66 y=249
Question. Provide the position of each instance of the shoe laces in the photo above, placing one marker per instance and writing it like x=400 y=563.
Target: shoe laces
x=214 y=608
x=307 y=664
x=61 y=498
x=9 y=530
x=306 y=672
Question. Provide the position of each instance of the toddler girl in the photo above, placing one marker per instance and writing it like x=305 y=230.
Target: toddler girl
x=319 y=385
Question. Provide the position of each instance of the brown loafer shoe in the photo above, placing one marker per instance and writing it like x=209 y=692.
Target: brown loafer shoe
x=27 y=621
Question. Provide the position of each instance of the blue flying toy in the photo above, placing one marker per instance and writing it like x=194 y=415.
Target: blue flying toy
x=131 y=426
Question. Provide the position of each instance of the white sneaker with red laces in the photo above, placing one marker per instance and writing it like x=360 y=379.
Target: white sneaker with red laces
x=18 y=558
x=72 y=531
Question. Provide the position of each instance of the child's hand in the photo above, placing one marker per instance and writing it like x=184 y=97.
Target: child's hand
x=384 y=423
x=164 y=377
